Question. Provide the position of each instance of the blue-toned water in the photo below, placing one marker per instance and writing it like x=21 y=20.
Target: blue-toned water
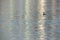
x=22 y=22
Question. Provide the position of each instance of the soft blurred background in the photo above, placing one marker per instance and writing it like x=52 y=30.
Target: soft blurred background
x=29 y=19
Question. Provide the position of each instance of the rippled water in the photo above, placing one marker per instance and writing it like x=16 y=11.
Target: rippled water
x=30 y=20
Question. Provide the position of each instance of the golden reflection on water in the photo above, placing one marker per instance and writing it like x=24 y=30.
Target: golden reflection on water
x=41 y=9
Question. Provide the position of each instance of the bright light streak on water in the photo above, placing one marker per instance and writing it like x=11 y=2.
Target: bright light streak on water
x=27 y=14
x=11 y=8
x=9 y=21
x=10 y=15
x=41 y=7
